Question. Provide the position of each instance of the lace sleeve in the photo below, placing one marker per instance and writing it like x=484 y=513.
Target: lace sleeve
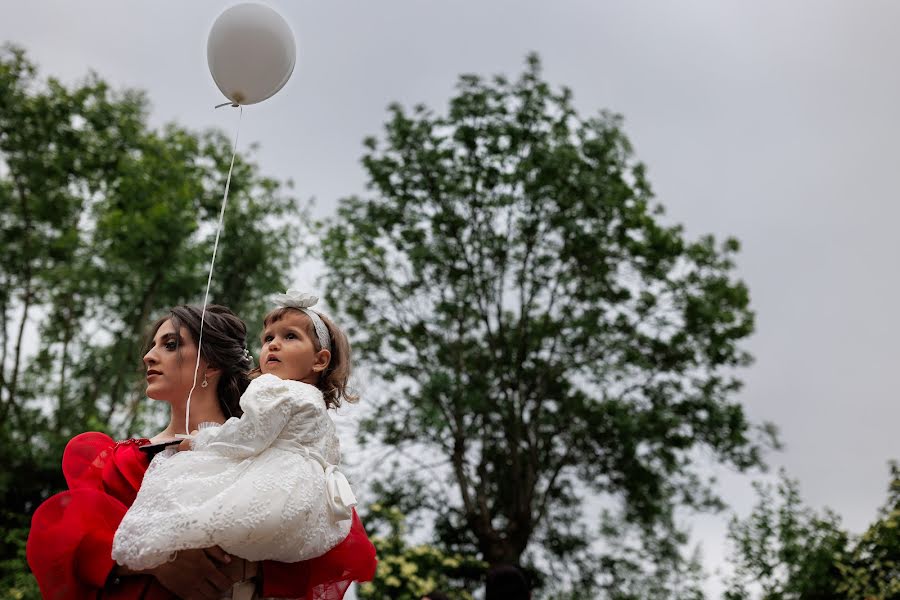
x=268 y=405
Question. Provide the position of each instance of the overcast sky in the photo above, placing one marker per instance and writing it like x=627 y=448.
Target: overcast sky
x=776 y=122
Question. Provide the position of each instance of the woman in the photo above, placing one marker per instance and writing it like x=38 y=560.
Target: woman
x=71 y=536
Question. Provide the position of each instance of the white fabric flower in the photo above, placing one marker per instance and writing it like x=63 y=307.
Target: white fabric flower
x=294 y=299
x=302 y=301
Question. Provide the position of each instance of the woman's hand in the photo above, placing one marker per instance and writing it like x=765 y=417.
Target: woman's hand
x=197 y=574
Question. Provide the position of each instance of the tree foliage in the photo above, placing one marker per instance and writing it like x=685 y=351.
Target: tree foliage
x=785 y=550
x=642 y=565
x=871 y=569
x=105 y=221
x=545 y=332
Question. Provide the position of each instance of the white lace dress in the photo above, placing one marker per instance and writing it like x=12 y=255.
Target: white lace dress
x=263 y=486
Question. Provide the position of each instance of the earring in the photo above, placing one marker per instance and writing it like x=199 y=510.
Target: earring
x=205 y=382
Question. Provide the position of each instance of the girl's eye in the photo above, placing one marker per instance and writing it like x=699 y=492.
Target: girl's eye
x=291 y=336
x=170 y=345
x=267 y=338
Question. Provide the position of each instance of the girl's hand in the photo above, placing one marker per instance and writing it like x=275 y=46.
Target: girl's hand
x=186 y=444
x=196 y=574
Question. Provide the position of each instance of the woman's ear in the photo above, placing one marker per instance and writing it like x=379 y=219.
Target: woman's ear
x=210 y=372
x=323 y=359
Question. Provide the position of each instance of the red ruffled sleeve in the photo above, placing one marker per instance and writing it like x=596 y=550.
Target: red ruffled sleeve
x=70 y=542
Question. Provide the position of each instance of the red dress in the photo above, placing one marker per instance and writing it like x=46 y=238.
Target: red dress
x=70 y=542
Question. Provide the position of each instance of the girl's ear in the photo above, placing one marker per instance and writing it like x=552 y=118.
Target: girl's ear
x=323 y=359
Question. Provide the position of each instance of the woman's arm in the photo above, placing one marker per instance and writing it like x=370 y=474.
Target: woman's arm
x=193 y=574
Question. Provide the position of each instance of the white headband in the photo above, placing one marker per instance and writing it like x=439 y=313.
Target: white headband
x=302 y=301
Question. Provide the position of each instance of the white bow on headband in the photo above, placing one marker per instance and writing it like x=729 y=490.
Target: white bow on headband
x=302 y=301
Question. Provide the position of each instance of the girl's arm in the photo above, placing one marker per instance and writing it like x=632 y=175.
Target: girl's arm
x=268 y=404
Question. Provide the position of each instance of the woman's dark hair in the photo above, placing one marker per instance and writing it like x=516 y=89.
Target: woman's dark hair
x=224 y=347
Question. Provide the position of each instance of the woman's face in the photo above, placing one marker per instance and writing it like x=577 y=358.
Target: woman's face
x=170 y=364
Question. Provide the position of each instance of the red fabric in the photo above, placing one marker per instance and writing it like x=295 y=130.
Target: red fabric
x=70 y=541
x=326 y=577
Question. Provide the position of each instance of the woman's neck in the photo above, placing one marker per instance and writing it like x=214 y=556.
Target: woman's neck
x=205 y=408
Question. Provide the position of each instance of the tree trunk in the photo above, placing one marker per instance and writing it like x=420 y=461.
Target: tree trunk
x=4 y=342
x=27 y=297
x=64 y=362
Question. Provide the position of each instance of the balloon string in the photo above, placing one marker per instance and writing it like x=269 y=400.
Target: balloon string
x=187 y=409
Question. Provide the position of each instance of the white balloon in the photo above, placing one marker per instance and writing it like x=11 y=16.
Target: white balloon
x=251 y=53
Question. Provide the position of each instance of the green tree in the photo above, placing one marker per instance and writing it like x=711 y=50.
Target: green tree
x=641 y=565
x=872 y=567
x=785 y=550
x=543 y=330
x=105 y=222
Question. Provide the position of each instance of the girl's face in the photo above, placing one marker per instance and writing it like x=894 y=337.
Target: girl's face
x=288 y=350
x=170 y=364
